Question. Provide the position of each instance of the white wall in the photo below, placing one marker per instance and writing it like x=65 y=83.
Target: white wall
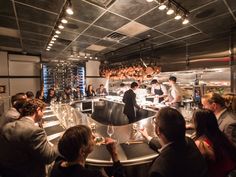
x=19 y=73
x=93 y=77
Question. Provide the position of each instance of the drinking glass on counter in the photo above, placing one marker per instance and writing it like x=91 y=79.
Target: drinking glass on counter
x=110 y=130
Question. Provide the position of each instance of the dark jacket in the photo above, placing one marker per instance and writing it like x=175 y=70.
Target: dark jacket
x=77 y=170
x=179 y=160
x=227 y=124
x=129 y=99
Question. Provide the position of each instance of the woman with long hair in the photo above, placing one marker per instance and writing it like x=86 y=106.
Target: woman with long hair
x=218 y=151
x=90 y=91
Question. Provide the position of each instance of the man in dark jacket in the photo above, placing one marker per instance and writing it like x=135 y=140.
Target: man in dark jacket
x=179 y=156
x=129 y=99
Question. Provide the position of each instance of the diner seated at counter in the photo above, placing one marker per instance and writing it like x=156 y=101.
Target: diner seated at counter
x=90 y=92
x=101 y=90
x=74 y=146
x=179 y=156
x=217 y=150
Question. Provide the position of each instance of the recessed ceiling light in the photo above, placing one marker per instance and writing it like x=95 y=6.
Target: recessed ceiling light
x=58 y=32
x=64 y=20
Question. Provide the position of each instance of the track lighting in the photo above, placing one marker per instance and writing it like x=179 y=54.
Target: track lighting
x=173 y=7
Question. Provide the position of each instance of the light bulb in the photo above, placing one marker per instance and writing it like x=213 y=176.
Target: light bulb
x=56 y=36
x=170 y=11
x=53 y=39
x=69 y=11
x=50 y=44
x=177 y=17
x=58 y=32
x=64 y=20
x=162 y=7
x=48 y=49
x=61 y=26
x=185 y=21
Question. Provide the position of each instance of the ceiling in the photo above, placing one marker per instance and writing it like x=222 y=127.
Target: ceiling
x=27 y=26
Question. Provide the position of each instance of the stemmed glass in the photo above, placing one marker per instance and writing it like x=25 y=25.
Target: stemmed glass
x=110 y=130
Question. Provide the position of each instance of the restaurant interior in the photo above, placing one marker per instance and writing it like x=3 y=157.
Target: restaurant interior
x=75 y=43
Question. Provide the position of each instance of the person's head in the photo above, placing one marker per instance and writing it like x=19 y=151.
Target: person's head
x=30 y=95
x=154 y=82
x=213 y=101
x=172 y=80
x=205 y=122
x=33 y=108
x=170 y=125
x=76 y=143
x=101 y=86
x=17 y=97
x=51 y=92
x=68 y=89
x=134 y=85
x=122 y=85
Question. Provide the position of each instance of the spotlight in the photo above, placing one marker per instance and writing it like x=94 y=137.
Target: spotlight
x=55 y=36
x=48 y=49
x=170 y=11
x=58 y=32
x=53 y=39
x=50 y=44
x=185 y=21
x=69 y=8
x=64 y=20
x=177 y=17
x=149 y=0
x=61 y=26
x=162 y=7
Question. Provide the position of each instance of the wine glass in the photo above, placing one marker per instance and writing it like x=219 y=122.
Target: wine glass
x=110 y=130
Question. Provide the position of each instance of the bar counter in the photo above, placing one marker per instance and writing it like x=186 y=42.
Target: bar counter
x=132 y=148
